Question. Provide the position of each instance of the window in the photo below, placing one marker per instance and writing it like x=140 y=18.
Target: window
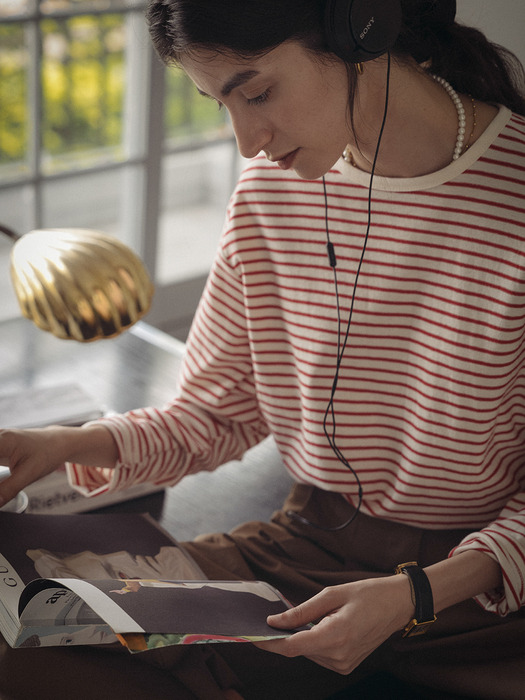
x=95 y=133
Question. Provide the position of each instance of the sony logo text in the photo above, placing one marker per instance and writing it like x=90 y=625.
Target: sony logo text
x=367 y=28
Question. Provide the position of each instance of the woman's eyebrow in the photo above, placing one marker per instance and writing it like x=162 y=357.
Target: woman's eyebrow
x=236 y=80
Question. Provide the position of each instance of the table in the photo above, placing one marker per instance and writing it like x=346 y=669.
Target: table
x=138 y=368
x=135 y=369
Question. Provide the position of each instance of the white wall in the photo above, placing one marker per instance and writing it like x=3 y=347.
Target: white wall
x=503 y=21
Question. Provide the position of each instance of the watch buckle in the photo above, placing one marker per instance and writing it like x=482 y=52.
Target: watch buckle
x=415 y=628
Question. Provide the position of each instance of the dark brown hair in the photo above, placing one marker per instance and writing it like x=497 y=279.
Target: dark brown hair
x=429 y=35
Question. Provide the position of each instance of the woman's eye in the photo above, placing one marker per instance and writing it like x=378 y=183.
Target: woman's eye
x=260 y=98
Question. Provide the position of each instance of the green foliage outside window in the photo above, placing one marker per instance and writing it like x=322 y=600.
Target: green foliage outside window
x=187 y=112
x=83 y=82
x=13 y=94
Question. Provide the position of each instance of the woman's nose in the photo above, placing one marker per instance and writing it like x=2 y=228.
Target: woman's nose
x=251 y=136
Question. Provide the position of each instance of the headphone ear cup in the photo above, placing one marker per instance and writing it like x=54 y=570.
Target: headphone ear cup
x=361 y=30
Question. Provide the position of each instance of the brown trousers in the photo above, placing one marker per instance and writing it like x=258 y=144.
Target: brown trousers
x=467 y=653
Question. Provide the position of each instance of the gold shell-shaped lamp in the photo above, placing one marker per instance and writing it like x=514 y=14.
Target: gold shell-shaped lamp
x=79 y=284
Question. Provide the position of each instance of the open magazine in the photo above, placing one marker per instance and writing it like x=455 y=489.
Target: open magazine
x=104 y=579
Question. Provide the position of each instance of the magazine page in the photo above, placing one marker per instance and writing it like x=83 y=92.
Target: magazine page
x=169 y=612
x=54 y=616
x=10 y=587
x=86 y=546
x=75 y=601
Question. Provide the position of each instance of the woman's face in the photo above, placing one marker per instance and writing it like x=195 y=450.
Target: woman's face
x=285 y=103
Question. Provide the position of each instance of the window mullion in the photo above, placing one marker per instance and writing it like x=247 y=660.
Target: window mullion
x=155 y=124
x=35 y=116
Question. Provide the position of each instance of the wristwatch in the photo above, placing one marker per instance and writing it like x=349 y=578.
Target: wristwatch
x=421 y=597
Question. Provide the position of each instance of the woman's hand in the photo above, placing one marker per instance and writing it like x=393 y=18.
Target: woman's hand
x=352 y=619
x=32 y=454
x=355 y=618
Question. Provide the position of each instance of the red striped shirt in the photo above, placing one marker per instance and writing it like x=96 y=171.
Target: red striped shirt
x=429 y=406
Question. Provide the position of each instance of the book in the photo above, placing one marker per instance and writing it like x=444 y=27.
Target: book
x=118 y=579
x=61 y=404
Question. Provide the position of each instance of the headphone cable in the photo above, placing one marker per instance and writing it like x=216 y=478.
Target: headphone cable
x=341 y=345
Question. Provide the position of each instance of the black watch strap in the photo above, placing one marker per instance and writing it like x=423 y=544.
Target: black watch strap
x=421 y=597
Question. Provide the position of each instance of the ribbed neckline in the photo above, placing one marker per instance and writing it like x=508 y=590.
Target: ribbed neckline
x=425 y=182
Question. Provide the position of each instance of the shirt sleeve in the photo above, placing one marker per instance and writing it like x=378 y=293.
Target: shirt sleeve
x=215 y=416
x=504 y=541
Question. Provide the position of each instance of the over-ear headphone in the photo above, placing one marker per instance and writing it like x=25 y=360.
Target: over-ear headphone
x=360 y=30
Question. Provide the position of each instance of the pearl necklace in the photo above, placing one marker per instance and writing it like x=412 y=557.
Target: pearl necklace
x=458 y=104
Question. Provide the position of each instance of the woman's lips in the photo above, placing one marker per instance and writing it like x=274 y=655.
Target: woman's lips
x=286 y=162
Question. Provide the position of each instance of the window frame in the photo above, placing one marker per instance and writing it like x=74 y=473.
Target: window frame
x=144 y=140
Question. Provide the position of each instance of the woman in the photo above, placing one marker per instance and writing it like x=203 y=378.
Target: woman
x=365 y=309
